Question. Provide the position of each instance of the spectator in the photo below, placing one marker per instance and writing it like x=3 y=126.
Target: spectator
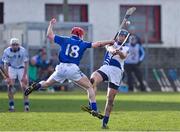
x=132 y=31
x=32 y=70
x=41 y=63
x=136 y=56
x=38 y=57
x=43 y=67
x=54 y=60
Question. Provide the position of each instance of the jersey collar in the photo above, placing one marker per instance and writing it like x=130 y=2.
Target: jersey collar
x=75 y=37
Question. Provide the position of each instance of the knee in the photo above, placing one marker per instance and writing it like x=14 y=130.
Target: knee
x=11 y=89
x=92 y=81
x=94 y=78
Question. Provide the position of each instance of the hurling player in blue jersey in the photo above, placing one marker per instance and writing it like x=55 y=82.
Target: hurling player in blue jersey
x=72 y=50
x=112 y=71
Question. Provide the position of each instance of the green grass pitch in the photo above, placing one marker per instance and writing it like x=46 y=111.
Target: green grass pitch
x=61 y=112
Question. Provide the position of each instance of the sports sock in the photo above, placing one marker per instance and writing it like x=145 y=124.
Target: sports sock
x=94 y=106
x=105 y=119
x=26 y=103
x=11 y=104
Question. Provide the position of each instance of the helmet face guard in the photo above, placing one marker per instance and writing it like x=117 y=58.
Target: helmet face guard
x=14 y=44
x=78 y=31
x=14 y=41
x=125 y=33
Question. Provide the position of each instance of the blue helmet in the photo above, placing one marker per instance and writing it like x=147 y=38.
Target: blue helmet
x=123 y=32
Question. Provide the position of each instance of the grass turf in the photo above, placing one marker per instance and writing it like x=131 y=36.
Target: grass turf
x=61 y=112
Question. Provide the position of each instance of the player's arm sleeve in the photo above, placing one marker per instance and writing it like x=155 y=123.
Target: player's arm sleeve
x=88 y=44
x=6 y=60
x=142 y=53
x=58 y=39
x=26 y=56
x=5 y=57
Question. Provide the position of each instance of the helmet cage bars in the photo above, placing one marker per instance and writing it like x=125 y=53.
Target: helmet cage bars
x=125 y=33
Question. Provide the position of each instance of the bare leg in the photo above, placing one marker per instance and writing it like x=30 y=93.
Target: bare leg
x=36 y=86
x=109 y=105
x=85 y=83
x=96 y=78
x=47 y=83
x=10 y=86
x=23 y=84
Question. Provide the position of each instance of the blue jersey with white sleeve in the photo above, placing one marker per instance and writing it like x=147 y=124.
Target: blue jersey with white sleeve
x=72 y=48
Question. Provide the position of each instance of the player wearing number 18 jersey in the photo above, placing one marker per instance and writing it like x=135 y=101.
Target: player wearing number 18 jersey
x=72 y=50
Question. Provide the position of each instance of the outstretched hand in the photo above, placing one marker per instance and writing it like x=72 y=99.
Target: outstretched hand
x=53 y=21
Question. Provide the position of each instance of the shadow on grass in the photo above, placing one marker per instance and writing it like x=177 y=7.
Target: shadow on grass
x=55 y=105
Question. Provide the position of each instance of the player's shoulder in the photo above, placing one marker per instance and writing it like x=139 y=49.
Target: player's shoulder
x=22 y=49
x=8 y=49
x=62 y=36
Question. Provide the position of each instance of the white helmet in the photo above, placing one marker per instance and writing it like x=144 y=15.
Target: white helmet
x=14 y=41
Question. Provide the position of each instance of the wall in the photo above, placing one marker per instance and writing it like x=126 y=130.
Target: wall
x=103 y=14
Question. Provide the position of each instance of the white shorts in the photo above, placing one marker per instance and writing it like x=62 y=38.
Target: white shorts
x=113 y=73
x=15 y=73
x=65 y=71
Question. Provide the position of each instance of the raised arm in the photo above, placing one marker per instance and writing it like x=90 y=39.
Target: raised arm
x=50 y=33
x=102 y=43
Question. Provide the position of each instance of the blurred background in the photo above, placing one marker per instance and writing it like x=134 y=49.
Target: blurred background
x=156 y=23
